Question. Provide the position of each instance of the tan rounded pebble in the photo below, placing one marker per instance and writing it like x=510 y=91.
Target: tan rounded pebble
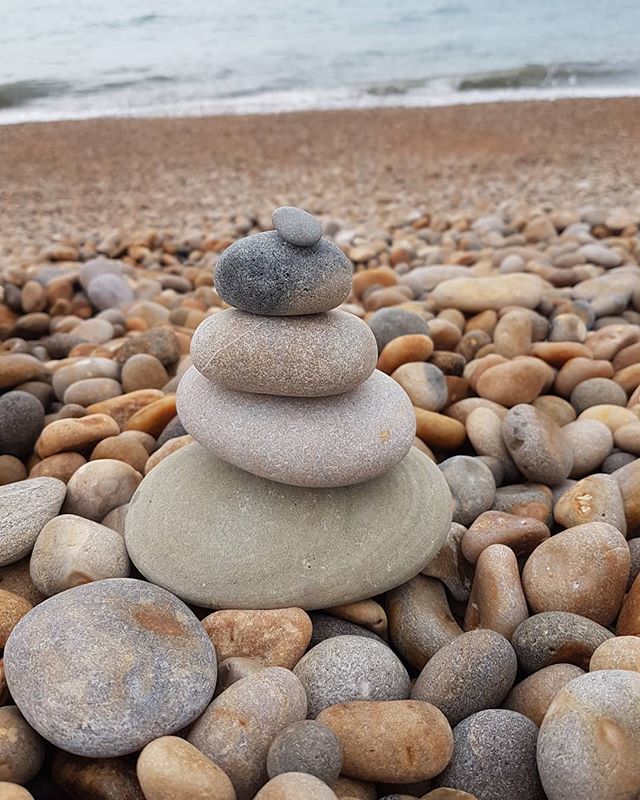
x=445 y=793
x=555 y=407
x=497 y=599
x=16 y=368
x=116 y=518
x=621 y=652
x=518 y=381
x=580 y=369
x=392 y=741
x=12 y=608
x=484 y=429
x=613 y=417
x=277 y=637
x=123 y=447
x=295 y=786
x=21 y=749
x=534 y=694
x=169 y=768
x=11 y=791
x=525 y=500
x=153 y=418
x=591 y=442
x=512 y=334
x=582 y=570
x=124 y=407
x=169 y=447
x=628 y=478
x=96 y=778
x=404 y=349
x=60 y=465
x=629 y=619
x=70 y=551
x=627 y=438
x=424 y=383
x=366 y=613
x=596 y=498
x=100 y=486
x=420 y=621
x=439 y=431
x=92 y=390
x=444 y=334
x=16 y=578
x=159 y=342
x=348 y=788
x=558 y=353
x=537 y=445
x=521 y=534
x=143 y=371
x=11 y=470
x=382 y=276
x=494 y=292
x=75 y=434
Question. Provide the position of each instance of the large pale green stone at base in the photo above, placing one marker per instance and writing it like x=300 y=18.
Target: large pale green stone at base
x=219 y=537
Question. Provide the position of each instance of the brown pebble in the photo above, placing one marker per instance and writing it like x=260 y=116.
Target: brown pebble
x=21 y=749
x=621 y=652
x=450 y=567
x=96 y=778
x=382 y=276
x=16 y=368
x=60 y=465
x=629 y=619
x=403 y=349
x=153 y=418
x=628 y=478
x=520 y=380
x=349 y=788
x=525 y=500
x=123 y=447
x=558 y=353
x=596 y=498
x=613 y=417
x=512 y=334
x=461 y=410
x=234 y=669
x=445 y=793
x=12 y=608
x=75 y=434
x=627 y=438
x=124 y=407
x=92 y=390
x=12 y=470
x=439 y=431
x=100 y=486
x=579 y=369
x=555 y=407
x=521 y=534
x=143 y=371
x=367 y=613
x=532 y=696
x=169 y=447
x=159 y=342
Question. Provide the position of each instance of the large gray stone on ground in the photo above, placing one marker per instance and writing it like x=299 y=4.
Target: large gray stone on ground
x=102 y=669
x=301 y=441
x=346 y=668
x=297 y=226
x=22 y=420
x=220 y=537
x=308 y=356
x=25 y=508
x=589 y=740
x=264 y=274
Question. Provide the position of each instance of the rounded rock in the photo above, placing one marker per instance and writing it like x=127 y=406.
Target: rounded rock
x=109 y=291
x=25 y=508
x=622 y=652
x=112 y=637
x=12 y=791
x=472 y=486
x=389 y=323
x=346 y=668
x=100 y=486
x=424 y=383
x=294 y=786
x=143 y=371
x=596 y=391
x=537 y=445
x=590 y=442
x=521 y=534
x=534 y=694
x=21 y=749
x=296 y=226
x=92 y=390
x=21 y=422
x=307 y=746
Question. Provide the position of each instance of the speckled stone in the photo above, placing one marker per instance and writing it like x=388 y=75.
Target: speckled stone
x=622 y=652
x=590 y=442
x=96 y=488
x=21 y=422
x=595 y=498
x=295 y=786
x=95 y=778
x=556 y=637
x=389 y=323
x=537 y=445
x=195 y=520
x=325 y=626
x=475 y=671
x=297 y=226
x=264 y=274
x=111 y=637
x=300 y=441
x=99 y=266
x=526 y=500
x=472 y=487
x=238 y=727
x=25 y=508
x=474 y=294
x=169 y=768
x=494 y=757
x=589 y=741
x=424 y=383
x=595 y=392
x=346 y=668
x=396 y=741
x=307 y=356
x=71 y=551
x=534 y=694
x=307 y=746
x=21 y=749
x=521 y=534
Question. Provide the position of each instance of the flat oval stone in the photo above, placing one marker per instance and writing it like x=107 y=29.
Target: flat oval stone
x=537 y=445
x=21 y=422
x=25 y=508
x=490 y=292
x=21 y=749
x=301 y=441
x=622 y=652
x=307 y=746
x=532 y=696
x=112 y=638
x=472 y=487
x=264 y=274
x=589 y=740
x=307 y=356
x=346 y=668
x=297 y=226
x=389 y=323
x=218 y=536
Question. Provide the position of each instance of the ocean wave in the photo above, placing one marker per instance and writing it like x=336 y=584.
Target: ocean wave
x=20 y=93
x=532 y=76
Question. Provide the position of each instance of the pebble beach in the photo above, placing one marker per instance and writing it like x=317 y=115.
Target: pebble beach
x=334 y=503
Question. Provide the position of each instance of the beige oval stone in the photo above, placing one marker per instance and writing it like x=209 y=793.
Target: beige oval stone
x=579 y=369
x=295 y=786
x=12 y=608
x=277 y=637
x=591 y=442
x=143 y=371
x=627 y=437
x=521 y=534
x=122 y=408
x=532 y=696
x=493 y=292
x=154 y=417
x=169 y=447
x=100 y=486
x=92 y=390
x=348 y=788
x=366 y=613
x=555 y=407
x=11 y=791
x=629 y=619
x=596 y=498
x=518 y=381
x=613 y=417
x=394 y=741
x=439 y=431
x=21 y=748
x=169 y=768
x=60 y=465
x=403 y=349
x=75 y=434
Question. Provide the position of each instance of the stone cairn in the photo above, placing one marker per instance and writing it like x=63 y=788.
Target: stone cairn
x=284 y=387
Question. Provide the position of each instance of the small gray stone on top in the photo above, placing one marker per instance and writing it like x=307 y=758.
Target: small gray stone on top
x=297 y=226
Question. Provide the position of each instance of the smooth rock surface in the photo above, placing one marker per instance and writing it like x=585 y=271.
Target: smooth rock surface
x=25 y=508
x=307 y=356
x=537 y=445
x=533 y=695
x=315 y=442
x=21 y=422
x=194 y=519
x=295 y=786
x=111 y=637
x=307 y=746
x=297 y=226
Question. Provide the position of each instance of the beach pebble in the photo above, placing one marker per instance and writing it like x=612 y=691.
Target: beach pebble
x=238 y=727
x=143 y=371
x=521 y=534
x=579 y=369
x=264 y=274
x=534 y=694
x=13 y=608
x=537 y=445
x=497 y=600
x=70 y=551
x=346 y=668
x=92 y=390
x=613 y=417
x=556 y=408
x=100 y=486
x=449 y=565
x=494 y=757
x=21 y=749
x=629 y=619
x=278 y=638
x=12 y=791
x=484 y=429
x=472 y=295
x=556 y=637
x=389 y=323
x=473 y=672
x=326 y=625
x=75 y=434
x=589 y=739
x=621 y=652
x=12 y=470
x=307 y=746
x=295 y=786
x=111 y=633
x=590 y=442
x=517 y=381
x=420 y=620
x=597 y=391
x=297 y=226
x=109 y=291
x=404 y=349
x=127 y=447
x=424 y=383
x=161 y=343
x=628 y=478
x=99 y=266
x=472 y=487
x=194 y=519
x=628 y=438
x=25 y=507
x=527 y=500
x=445 y=793
x=596 y=498
x=170 y=767
x=60 y=466
x=96 y=330
x=437 y=430
x=16 y=368
x=561 y=573
x=95 y=778
x=367 y=613
x=21 y=422
x=83 y=369
x=397 y=741
x=307 y=356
